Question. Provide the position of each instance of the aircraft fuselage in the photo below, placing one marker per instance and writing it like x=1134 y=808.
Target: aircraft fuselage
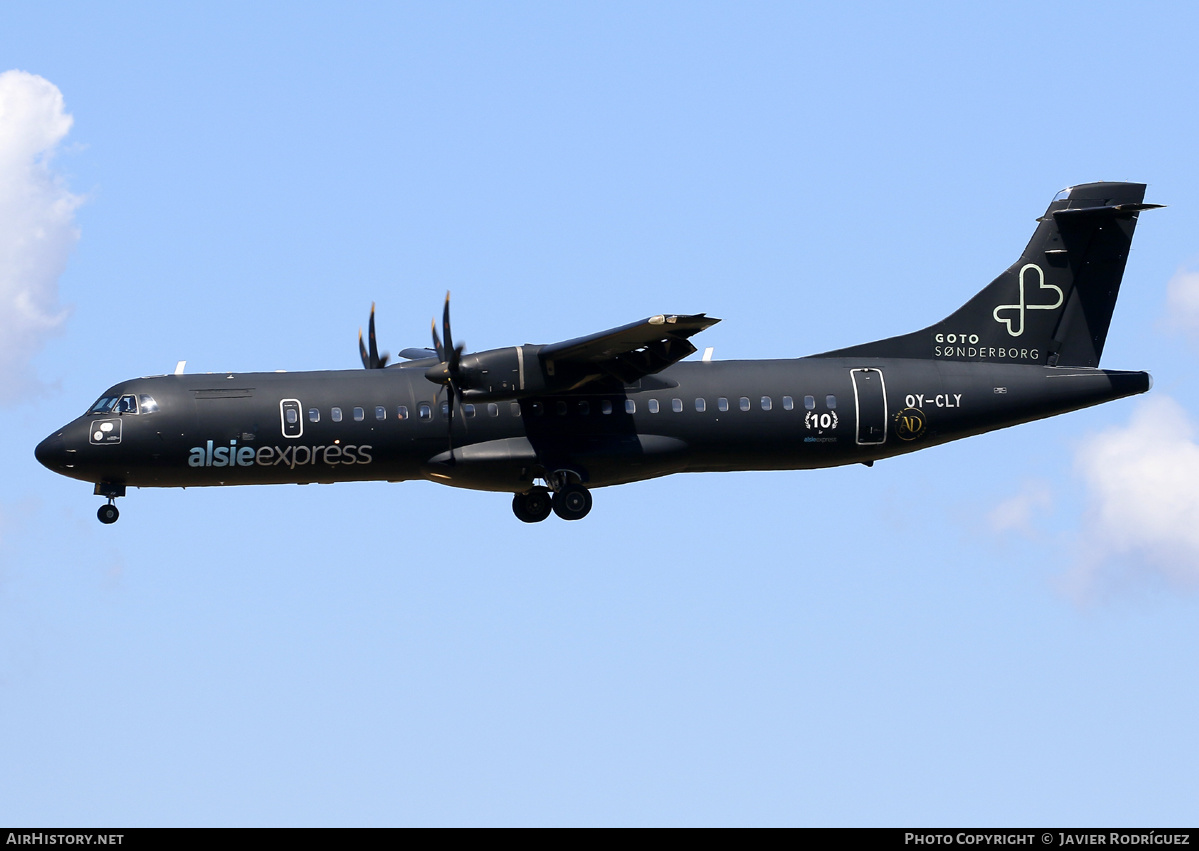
x=391 y=424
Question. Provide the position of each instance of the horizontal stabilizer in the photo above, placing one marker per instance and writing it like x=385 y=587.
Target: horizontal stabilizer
x=1112 y=209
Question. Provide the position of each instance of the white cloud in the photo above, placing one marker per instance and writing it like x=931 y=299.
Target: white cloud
x=37 y=223
x=1143 y=498
x=1182 y=301
x=1016 y=514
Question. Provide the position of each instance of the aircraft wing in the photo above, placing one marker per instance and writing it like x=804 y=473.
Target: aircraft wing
x=629 y=352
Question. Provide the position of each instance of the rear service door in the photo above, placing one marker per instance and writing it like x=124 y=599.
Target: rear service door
x=870 y=403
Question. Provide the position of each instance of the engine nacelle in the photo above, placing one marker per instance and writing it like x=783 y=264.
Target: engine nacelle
x=513 y=372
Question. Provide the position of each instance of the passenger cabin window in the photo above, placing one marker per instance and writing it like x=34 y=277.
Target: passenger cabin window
x=653 y=406
x=722 y=404
x=469 y=410
x=493 y=410
x=584 y=408
x=676 y=405
x=606 y=406
x=425 y=412
x=809 y=402
x=359 y=415
x=314 y=415
x=831 y=401
x=380 y=412
x=535 y=408
x=701 y=405
x=745 y=403
x=445 y=409
x=561 y=408
x=630 y=407
x=292 y=415
x=148 y=404
x=335 y=415
x=514 y=408
x=788 y=403
x=401 y=412
x=766 y=403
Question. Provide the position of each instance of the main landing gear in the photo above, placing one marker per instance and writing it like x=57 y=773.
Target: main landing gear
x=572 y=502
x=532 y=507
x=108 y=513
x=569 y=500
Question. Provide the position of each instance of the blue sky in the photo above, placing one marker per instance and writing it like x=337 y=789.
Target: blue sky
x=999 y=631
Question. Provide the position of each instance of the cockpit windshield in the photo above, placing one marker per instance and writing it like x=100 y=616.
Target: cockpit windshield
x=127 y=404
x=1063 y=195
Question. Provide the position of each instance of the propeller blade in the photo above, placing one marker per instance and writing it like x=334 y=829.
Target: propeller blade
x=371 y=359
x=437 y=342
x=449 y=354
x=445 y=324
x=376 y=361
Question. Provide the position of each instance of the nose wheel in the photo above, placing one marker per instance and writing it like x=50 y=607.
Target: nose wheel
x=108 y=514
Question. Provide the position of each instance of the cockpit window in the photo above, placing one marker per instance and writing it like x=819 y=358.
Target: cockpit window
x=127 y=404
x=1063 y=195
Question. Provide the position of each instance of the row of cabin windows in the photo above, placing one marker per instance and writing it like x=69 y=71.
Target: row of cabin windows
x=766 y=403
x=582 y=407
x=424 y=411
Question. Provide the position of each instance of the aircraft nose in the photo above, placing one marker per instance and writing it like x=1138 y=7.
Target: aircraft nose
x=52 y=452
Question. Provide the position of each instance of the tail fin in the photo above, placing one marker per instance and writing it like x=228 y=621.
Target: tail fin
x=1053 y=305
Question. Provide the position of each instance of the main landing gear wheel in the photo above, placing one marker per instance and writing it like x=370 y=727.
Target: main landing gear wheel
x=532 y=507
x=108 y=514
x=572 y=502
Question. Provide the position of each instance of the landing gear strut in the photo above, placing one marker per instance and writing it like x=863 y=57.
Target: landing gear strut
x=108 y=513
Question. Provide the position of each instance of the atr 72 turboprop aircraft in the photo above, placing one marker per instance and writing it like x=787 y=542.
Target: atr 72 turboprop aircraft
x=549 y=423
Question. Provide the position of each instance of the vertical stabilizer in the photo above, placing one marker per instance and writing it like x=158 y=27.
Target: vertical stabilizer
x=1051 y=307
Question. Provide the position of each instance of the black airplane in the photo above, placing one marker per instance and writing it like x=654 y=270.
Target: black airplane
x=549 y=423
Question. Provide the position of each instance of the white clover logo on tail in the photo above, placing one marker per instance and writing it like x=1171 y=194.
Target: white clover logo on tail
x=1017 y=330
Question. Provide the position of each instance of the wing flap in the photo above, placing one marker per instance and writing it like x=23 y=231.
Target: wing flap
x=629 y=352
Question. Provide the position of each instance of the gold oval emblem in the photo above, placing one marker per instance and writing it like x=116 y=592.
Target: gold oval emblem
x=909 y=423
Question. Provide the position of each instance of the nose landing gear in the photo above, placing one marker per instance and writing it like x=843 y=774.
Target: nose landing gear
x=109 y=513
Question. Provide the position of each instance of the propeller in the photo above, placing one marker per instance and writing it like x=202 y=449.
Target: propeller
x=447 y=373
x=371 y=359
